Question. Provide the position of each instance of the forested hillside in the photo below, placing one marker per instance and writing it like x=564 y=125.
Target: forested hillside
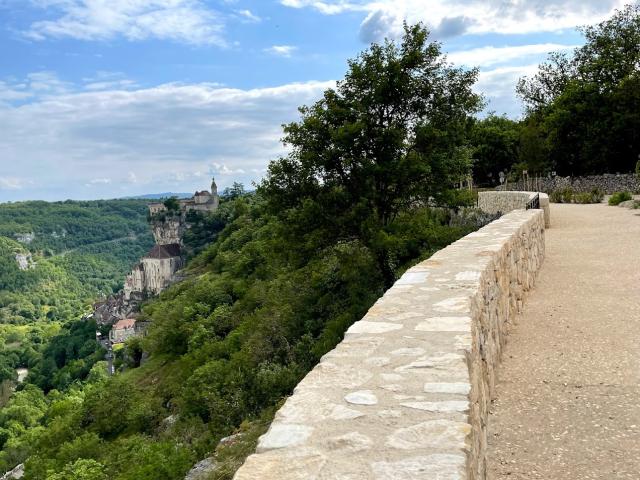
x=367 y=190
x=275 y=277
x=69 y=255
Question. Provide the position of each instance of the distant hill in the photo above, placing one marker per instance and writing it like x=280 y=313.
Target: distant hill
x=158 y=196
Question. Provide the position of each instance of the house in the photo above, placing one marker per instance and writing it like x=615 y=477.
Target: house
x=122 y=330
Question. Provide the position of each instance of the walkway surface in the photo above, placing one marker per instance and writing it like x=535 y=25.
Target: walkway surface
x=568 y=398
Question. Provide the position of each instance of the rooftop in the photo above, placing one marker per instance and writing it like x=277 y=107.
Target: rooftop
x=126 y=323
x=164 y=251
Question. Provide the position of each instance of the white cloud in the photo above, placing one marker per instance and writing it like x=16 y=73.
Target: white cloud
x=12 y=183
x=281 y=50
x=222 y=169
x=498 y=87
x=249 y=16
x=187 y=21
x=170 y=137
x=455 y=17
x=99 y=181
x=487 y=56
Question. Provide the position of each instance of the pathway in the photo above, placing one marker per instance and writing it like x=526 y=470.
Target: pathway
x=568 y=398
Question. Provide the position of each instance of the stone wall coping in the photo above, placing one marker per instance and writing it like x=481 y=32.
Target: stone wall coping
x=406 y=394
x=507 y=201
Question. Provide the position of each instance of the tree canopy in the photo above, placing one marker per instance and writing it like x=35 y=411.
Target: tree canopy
x=390 y=135
x=588 y=104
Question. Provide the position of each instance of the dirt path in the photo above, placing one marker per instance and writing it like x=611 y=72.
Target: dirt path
x=568 y=399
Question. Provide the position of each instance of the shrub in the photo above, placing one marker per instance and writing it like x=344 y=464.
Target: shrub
x=619 y=197
x=594 y=196
x=564 y=195
x=597 y=195
x=638 y=168
x=567 y=195
x=583 y=197
x=555 y=196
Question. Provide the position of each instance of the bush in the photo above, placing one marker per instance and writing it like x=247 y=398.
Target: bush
x=638 y=168
x=582 y=197
x=619 y=197
x=597 y=195
x=555 y=196
x=594 y=196
x=567 y=195
x=564 y=195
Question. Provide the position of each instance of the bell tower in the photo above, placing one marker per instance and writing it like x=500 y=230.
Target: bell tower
x=215 y=198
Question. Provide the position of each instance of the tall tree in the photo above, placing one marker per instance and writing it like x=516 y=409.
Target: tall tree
x=588 y=104
x=390 y=135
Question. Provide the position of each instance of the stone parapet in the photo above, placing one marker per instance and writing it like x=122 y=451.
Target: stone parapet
x=505 y=202
x=406 y=395
x=607 y=183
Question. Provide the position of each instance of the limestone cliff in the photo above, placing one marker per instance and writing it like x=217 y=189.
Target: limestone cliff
x=168 y=230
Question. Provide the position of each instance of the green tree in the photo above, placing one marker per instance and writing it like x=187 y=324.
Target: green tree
x=391 y=135
x=172 y=204
x=587 y=105
x=83 y=469
x=495 y=142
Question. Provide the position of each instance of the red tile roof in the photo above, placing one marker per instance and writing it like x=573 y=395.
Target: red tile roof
x=126 y=323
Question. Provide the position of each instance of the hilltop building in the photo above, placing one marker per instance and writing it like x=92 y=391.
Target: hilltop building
x=203 y=201
x=158 y=268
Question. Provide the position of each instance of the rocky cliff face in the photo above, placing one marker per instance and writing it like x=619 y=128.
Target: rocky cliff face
x=169 y=230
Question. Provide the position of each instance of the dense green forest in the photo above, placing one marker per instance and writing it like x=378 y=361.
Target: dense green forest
x=75 y=252
x=276 y=276
x=582 y=112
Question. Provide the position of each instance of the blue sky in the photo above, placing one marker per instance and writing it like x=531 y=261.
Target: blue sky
x=107 y=98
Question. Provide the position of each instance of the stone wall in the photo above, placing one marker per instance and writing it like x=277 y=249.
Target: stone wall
x=406 y=395
x=504 y=202
x=608 y=183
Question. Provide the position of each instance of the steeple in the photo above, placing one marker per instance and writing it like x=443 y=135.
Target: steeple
x=214 y=187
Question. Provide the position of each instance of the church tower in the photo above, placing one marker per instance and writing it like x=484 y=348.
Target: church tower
x=215 y=199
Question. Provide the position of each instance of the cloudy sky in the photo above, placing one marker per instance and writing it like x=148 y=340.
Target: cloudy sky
x=108 y=98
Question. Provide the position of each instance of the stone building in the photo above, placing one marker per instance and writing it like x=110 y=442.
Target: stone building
x=122 y=330
x=158 y=268
x=203 y=201
x=155 y=271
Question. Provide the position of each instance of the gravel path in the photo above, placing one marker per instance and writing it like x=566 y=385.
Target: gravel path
x=568 y=399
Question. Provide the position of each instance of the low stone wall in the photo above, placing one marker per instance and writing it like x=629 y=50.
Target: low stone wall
x=406 y=395
x=608 y=183
x=504 y=202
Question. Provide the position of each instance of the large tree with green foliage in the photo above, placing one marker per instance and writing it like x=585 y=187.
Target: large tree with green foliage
x=588 y=104
x=390 y=135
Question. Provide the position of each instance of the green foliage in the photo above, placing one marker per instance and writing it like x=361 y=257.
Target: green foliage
x=235 y=191
x=363 y=153
x=68 y=356
x=276 y=279
x=172 y=204
x=619 y=197
x=638 y=169
x=587 y=106
x=62 y=226
x=567 y=195
x=496 y=142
